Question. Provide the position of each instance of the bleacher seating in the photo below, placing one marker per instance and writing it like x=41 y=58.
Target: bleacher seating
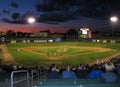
x=4 y=79
x=43 y=81
x=72 y=83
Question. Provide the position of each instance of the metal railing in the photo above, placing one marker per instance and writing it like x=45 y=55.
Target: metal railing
x=30 y=77
x=22 y=79
x=35 y=73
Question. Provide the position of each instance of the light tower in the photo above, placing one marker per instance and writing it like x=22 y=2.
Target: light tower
x=113 y=19
x=31 y=20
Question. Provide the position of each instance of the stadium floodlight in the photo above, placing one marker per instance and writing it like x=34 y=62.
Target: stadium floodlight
x=113 y=19
x=31 y=20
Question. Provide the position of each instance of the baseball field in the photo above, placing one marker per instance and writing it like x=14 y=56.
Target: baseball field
x=35 y=54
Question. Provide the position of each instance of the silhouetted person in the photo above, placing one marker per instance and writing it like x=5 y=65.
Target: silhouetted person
x=69 y=74
x=53 y=73
x=81 y=72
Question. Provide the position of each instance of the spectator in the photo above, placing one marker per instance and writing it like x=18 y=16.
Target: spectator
x=96 y=72
x=109 y=66
x=109 y=77
x=1 y=70
x=15 y=67
x=53 y=72
x=69 y=74
x=118 y=68
x=81 y=71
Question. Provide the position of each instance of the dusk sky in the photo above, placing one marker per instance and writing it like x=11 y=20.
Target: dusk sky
x=94 y=22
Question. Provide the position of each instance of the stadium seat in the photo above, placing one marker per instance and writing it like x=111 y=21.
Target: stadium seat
x=72 y=83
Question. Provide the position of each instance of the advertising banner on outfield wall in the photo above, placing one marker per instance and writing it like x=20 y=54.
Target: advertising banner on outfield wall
x=58 y=40
x=13 y=41
x=40 y=40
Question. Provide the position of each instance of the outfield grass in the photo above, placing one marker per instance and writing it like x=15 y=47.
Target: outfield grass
x=33 y=54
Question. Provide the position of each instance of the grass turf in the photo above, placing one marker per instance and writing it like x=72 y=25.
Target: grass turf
x=60 y=52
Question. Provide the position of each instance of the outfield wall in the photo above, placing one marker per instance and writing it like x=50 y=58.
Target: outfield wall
x=52 y=40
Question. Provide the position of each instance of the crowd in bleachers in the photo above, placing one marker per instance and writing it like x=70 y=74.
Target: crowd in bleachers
x=106 y=72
